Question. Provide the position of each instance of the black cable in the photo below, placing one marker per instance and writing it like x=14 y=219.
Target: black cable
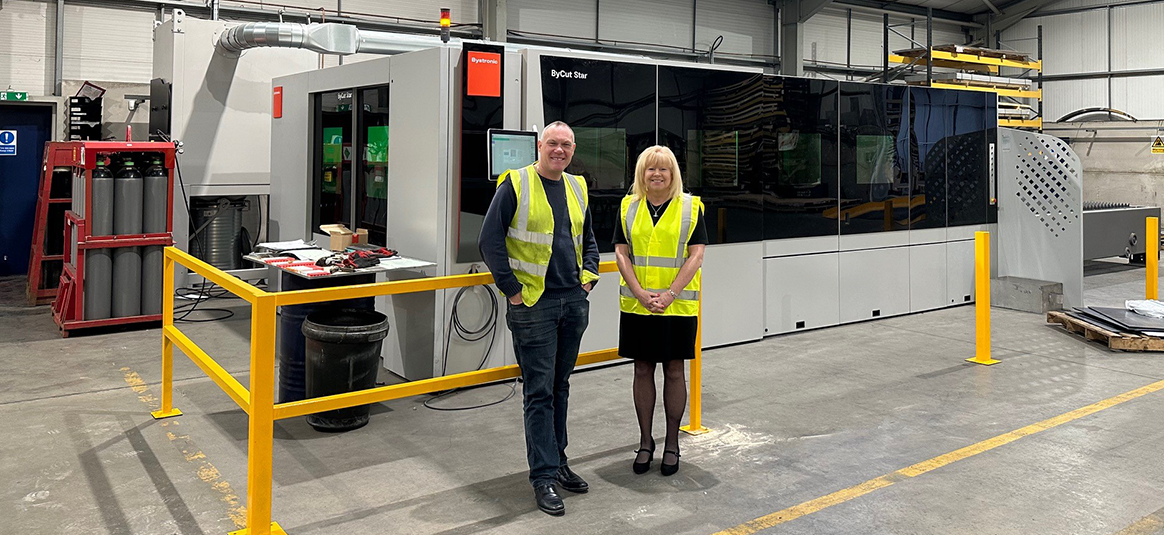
x=487 y=329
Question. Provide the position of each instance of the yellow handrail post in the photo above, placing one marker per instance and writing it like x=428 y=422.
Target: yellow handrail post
x=1152 y=256
x=261 y=430
x=167 y=410
x=982 y=299
x=695 y=425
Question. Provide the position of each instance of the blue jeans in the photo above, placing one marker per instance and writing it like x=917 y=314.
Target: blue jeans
x=546 y=337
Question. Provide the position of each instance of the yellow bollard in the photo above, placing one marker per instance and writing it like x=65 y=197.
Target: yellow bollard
x=982 y=299
x=695 y=425
x=1152 y=257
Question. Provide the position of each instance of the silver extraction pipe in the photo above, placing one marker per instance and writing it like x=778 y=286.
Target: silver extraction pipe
x=328 y=38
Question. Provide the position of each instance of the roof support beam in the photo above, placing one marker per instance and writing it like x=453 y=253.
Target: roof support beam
x=907 y=9
x=808 y=8
x=1015 y=12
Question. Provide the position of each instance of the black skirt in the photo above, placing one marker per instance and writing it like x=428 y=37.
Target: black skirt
x=656 y=338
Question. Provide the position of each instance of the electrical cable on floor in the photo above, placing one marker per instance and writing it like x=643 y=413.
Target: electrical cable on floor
x=488 y=329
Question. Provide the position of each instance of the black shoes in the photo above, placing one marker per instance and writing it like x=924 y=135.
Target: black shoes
x=548 y=499
x=670 y=469
x=642 y=468
x=571 y=481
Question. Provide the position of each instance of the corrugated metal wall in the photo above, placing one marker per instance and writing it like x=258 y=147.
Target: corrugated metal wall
x=826 y=34
x=28 y=31
x=747 y=26
x=111 y=44
x=1078 y=43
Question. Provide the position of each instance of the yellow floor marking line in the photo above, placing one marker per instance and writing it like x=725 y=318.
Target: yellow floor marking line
x=1149 y=525
x=844 y=495
x=205 y=471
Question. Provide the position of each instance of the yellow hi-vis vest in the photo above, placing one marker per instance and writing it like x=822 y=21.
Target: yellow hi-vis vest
x=658 y=251
x=530 y=240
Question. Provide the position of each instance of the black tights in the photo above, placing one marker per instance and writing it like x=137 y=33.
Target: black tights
x=674 y=403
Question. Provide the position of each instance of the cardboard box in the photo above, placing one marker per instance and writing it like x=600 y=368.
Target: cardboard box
x=341 y=236
x=361 y=236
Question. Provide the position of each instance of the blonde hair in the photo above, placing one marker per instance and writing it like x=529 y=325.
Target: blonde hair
x=656 y=156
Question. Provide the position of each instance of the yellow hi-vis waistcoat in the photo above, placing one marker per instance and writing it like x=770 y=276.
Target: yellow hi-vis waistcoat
x=530 y=240
x=658 y=251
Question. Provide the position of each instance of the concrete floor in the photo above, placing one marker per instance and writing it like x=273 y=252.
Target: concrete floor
x=793 y=418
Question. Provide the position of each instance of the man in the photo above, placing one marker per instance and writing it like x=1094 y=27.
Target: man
x=538 y=241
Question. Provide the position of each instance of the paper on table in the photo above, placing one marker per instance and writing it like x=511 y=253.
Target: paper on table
x=286 y=245
x=310 y=254
x=400 y=262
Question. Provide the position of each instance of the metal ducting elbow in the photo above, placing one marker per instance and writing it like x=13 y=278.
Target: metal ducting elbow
x=327 y=38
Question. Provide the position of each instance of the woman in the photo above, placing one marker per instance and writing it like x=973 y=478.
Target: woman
x=659 y=250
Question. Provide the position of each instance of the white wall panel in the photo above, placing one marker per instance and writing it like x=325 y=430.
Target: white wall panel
x=645 y=21
x=558 y=17
x=1066 y=96
x=113 y=44
x=1139 y=96
x=747 y=26
x=28 y=36
x=1071 y=4
x=1130 y=47
x=1072 y=43
x=828 y=30
x=462 y=10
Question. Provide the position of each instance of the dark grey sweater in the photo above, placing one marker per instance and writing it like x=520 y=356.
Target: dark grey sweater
x=562 y=277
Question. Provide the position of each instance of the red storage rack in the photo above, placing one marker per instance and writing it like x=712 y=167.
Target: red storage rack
x=69 y=305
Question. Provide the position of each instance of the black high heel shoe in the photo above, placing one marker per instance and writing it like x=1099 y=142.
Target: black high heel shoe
x=642 y=468
x=670 y=469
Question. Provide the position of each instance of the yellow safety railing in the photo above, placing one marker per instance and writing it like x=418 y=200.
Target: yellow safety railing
x=258 y=399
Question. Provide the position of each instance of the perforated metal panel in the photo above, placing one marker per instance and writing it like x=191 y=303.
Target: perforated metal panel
x=1040 y=234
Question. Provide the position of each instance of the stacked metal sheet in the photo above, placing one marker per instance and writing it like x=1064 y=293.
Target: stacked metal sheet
x=1120 y=320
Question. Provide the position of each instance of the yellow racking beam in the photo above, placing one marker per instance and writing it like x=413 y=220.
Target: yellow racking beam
x=893 y=58
x=986 y=60
x=1022 y=123
x=1016 y=93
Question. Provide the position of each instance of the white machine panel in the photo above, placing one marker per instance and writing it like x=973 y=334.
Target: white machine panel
x=733 y=296
x=602 y=333
x=1040 y=191
x=802 y=292
x=874 y=283
x=928 y=235
x=797 y=246
x=927 y=277
x=960 y=272
x=855 y=242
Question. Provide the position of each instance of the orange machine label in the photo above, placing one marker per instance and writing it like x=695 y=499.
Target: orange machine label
x=484 y=75
x=277 y=105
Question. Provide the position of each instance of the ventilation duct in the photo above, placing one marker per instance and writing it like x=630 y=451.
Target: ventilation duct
x=328 y=38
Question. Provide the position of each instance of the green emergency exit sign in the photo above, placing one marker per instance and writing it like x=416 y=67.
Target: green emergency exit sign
x=13 y=95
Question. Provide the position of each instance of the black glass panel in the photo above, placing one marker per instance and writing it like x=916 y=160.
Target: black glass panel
x=332 y=145
x=967 y=159
x=611 y=107
x=873 y=160
x=799 y=157
x=929 y=128
x=372 y=189
x=712 y=121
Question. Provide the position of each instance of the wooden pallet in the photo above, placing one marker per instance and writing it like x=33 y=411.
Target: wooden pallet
x=1119 y=341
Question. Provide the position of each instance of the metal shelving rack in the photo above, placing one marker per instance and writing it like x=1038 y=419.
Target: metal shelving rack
x=979 y=70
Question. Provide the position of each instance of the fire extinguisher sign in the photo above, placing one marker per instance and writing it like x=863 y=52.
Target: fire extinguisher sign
x=7 y=143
